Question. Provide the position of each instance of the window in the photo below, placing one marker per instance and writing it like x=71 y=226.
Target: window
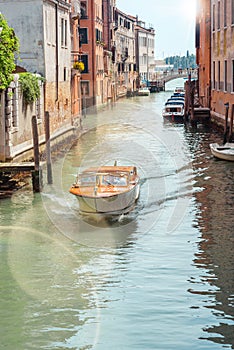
x=83 y=9
x=197 y=39
x=225 y=13
x=64 y=73
x=219 y=83
x=214 y=75
x=213 y=27
x=218 y=24
x=63 y=32
x=225 y=75
x=232 y=11
x=98 y=35
x=83 y=32
x=232 y=75
x=84 y=59
x=84 y=88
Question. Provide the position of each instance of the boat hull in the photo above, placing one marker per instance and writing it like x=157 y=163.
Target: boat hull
x=113 y=204
x=173 y=114
x=224 y=152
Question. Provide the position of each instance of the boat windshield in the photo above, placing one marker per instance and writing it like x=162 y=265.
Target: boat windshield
x=173 y=109
x=114 y=180
x=87 y=180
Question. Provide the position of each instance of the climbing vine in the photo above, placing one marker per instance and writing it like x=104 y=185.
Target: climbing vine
x=30 y=86
x=9 y=46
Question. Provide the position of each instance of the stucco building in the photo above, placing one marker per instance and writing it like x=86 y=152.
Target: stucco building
x=43 y=28
x=125 y=53
x=215 y=55
x=145 y=43
x=49 y=44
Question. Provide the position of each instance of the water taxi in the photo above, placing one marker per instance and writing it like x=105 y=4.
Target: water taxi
x=109 y=190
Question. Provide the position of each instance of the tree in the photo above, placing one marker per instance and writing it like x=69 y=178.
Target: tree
x=9 y=46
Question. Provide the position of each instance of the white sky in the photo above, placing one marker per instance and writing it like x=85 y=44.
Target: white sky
x=173 y=21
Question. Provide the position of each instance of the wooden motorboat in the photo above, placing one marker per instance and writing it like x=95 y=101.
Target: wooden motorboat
x=225 y=152
x=107 y=190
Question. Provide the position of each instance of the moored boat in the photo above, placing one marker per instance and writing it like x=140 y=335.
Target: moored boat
x=108 y=190
x=225 y=152
x=179 y=89
x=145 y=91
x=173 y=109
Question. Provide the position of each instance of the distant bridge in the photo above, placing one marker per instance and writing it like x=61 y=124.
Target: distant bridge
x=173 y=76
x=159 y=84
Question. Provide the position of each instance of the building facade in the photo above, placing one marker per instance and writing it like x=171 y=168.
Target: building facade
x=222 y=55
x=75 y=59
x=44 y=32
x=109 y=48
x=203 y=52
x=215 y=55
x=145 y=43
x=125 y=53
x=91 y=45
x=43 y=29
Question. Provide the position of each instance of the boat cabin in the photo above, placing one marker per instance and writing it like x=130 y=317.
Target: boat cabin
x=104 y=176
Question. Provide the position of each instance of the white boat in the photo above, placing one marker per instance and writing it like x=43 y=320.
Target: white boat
x=173 y=109
x=144 y=91
x=225 y=152
x=179 y=89
x=107 y=190
x=179 y=100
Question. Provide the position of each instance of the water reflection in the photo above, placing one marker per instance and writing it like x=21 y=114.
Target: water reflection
x=215 y=218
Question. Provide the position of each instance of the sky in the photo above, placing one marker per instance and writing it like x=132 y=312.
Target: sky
x=173 y=21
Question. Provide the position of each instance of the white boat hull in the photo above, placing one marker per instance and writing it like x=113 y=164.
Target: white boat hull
x=114 y=204
x=143 y=92
x=225 y=152
x=173 y=114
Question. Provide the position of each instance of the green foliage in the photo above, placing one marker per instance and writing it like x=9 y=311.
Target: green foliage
x=184 y=62
x=9 y=46
x=30 y=87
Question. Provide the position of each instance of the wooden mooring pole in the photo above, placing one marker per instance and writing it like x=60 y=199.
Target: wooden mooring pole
x=230 y=134
x=225 y=134
x=48 y=149
x=36 y=173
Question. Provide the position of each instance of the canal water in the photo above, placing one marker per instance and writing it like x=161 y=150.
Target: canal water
x=159 y=278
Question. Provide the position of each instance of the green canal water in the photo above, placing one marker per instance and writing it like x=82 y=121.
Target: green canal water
x=158 y=278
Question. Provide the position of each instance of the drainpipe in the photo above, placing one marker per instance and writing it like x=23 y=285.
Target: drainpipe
x=93 y=53
x=57 y=52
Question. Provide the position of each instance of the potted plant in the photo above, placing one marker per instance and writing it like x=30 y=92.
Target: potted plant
x=79 y=66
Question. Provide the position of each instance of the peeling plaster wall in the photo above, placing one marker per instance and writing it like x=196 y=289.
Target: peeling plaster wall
x=27 y=21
